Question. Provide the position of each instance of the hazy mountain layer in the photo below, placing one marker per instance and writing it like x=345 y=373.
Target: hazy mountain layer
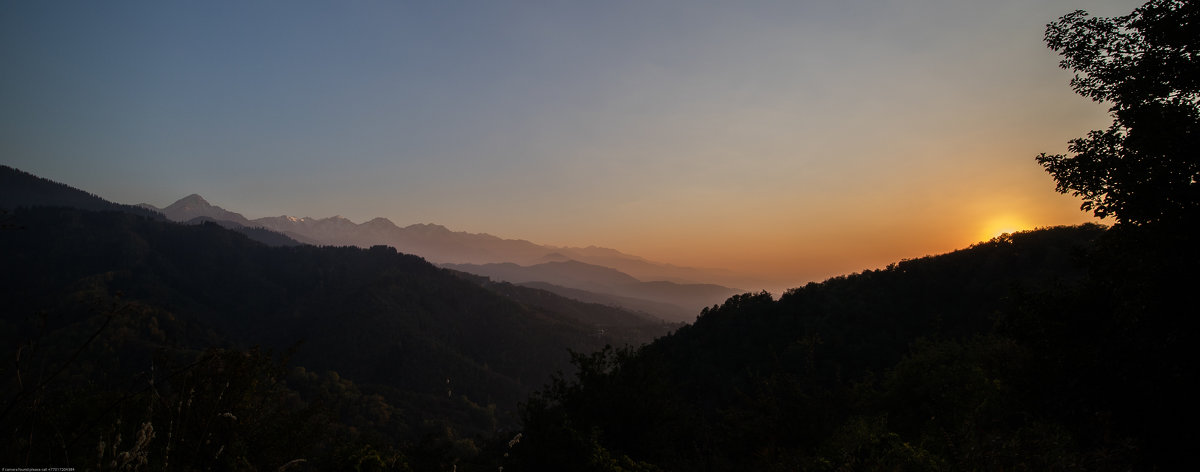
x=665 y=311
x=684 y=301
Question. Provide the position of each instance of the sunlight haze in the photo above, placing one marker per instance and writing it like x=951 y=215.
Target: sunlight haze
x=789 y=141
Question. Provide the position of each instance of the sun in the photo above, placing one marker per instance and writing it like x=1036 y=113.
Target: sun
x=1003 y=224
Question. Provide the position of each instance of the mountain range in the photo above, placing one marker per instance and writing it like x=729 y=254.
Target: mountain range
x=439 y=244
x=603 y=275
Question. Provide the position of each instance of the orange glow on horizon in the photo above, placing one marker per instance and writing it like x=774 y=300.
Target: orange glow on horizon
x=1003 y=224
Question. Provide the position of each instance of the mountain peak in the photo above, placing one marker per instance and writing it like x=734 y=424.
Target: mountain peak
x=555 y=257
x=380 y=222
x=193 y=199
x=192 y=203
x=192 y=206
x=428 y=227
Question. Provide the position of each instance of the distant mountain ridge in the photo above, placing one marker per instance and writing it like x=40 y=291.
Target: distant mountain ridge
x=665 y=311
x=439 y=244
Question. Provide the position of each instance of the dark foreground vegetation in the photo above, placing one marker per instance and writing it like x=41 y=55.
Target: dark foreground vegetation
x=1059 y=349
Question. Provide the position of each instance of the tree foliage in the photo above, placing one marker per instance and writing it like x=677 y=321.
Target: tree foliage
x=896 y=369
x=1144 y=167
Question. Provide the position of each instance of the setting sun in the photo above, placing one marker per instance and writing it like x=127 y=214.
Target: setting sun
x=1002 y=225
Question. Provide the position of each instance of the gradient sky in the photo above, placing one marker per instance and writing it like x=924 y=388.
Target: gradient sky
x=791 y=140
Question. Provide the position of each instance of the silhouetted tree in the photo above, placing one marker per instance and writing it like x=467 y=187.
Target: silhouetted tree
x=1143 y=168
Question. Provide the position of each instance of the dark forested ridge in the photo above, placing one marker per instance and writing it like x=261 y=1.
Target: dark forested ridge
x=1030 y=352
x=22 y=189
x=119 y=321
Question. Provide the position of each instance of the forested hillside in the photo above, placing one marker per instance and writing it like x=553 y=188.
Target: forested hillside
x=118 y=321
x=1059 y=349
x=916 y=366
x=19 y=188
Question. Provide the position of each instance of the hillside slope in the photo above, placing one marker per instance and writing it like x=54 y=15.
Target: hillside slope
x=1039 y=350
x=359 y=350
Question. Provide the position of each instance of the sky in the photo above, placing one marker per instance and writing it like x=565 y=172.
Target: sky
x=790 y=140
